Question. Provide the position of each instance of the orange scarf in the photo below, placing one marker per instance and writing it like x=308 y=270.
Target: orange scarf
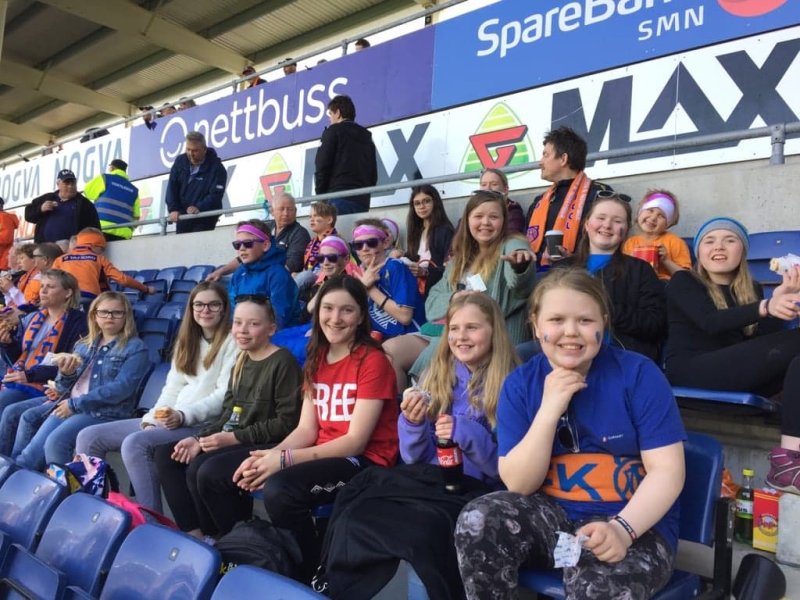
x=568 y=219
x=593 y=477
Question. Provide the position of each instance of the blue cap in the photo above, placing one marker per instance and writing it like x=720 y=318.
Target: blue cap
x=725 y=223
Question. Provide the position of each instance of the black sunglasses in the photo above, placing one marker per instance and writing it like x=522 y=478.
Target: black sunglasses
x=331 y=258
x=371 y=243
x=246 y=243
x=612 y=195
x=565 y=436
x=254 y=298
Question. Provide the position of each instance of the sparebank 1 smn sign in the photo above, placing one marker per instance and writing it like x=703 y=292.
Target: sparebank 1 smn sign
x=517 y=44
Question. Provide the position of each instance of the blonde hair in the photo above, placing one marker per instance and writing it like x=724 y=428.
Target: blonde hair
x=484 y=386
x=129 y=329
x=742 y=288
x=466 y=255
x=576 y=279
x=243 y=357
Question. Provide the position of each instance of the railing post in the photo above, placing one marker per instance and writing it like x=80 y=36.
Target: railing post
x=778 y=143
x=163 y=222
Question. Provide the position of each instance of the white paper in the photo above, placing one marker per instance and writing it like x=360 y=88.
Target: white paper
x=475 y=283
x=567 y=552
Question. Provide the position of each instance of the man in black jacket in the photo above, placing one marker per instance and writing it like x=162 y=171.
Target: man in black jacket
x=196 y=184
x=61 y=214
x=346 y=159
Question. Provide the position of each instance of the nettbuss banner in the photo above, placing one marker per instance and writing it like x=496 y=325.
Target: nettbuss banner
x=389 y=82
x=518 y=44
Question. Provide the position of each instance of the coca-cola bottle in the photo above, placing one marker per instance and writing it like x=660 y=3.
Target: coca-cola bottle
x=452 y=464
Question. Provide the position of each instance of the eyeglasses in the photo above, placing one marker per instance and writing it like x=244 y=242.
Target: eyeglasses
x=361 y=244
x=246 y=243
x=213 y=307
x=611 y=195
x=255 y=298
x=423 y=202
x=565 y=436
x=331 y=258
x=110 y=314
x=37 y=256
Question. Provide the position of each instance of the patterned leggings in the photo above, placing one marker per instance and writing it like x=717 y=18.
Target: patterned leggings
x=499 y=533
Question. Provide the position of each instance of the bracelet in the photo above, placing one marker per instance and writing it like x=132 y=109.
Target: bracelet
x=626 y=526
x=385 y=300
x=289 y=460
x=283 y=459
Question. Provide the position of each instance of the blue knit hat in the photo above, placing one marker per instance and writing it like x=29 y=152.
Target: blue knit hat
x=725 y=223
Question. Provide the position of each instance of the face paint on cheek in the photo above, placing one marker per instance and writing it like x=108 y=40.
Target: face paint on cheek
x=598 y=336
x=451 y=338
x=545 y=338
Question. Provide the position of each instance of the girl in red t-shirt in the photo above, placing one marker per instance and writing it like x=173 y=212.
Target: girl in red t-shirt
x=348 y=420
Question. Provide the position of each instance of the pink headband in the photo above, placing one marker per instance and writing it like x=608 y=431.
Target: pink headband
x=253 y=230
x=393 y=227
x=336 y=243
x=369 y=230
x=662 y=202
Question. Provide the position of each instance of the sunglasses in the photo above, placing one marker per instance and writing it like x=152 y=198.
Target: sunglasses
x=37 y=256
x=245 y=243
x=254 y=298
x=612 y=195
x=368 y=243
x=565 y=435
x=331 y=258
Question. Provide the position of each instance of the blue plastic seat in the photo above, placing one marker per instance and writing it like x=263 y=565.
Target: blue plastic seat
x=153 y=387
x=170 y=274
x=157 y=345
x=145 y=275
x=161 y=285
x=7 y=467
x=159 y=325
x=76 y=549
x=182 y=285
x=156 y=563
x=27 y=499
x=768 y=245
x=247 y=581
x=171 y=310
x=702 y=398
x=179 y=297
x=197 y=273
x=704 y=520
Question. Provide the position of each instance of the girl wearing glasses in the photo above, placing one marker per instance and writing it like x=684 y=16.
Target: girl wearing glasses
x=95 y=384
x=265 y=385
x=202 y=358
x=459 y=404
x=334 y=259
x=590 y=442
x=395 y=304
x=638 y=301
x=484 y=259
x=348 y=420
x=428 y=233
x=263 y=271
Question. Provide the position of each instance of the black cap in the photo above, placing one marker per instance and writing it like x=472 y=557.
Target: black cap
x=66 y=175
x=118 y=163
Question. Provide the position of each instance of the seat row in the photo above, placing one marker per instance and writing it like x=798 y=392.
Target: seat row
x=56 y=546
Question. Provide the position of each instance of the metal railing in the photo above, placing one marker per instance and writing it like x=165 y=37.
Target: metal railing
x=776 y=133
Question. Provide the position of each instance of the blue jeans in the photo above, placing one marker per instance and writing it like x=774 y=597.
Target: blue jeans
x=350 y=205
x=8 y=398
x=55 y=440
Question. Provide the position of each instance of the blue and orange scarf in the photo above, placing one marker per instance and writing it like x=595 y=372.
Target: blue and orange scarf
x=33 y=356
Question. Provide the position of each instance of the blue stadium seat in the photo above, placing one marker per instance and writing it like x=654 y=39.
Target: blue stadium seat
x=157 y=345
x=157 y=298
x=146 y=275
x=178 y=297
x=27 y=499
x=197 y=273
x=7 y=467
x=171 y=310
x=26 y=576
x=704 y=520
x=247 y=581
x=155 y=563
x=144 y=310
x=182 y=285
x=160 y=285
x=132 y=294
x=159 y=325
x=768 y=245
x=152 y=389
x=170 y=274
x=77 y=548
x=700 y=398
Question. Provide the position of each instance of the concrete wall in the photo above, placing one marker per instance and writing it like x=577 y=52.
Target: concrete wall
x=763 y=196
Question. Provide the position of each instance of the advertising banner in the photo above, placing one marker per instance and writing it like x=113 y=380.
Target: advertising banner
x=390 y=82
x=518 y=44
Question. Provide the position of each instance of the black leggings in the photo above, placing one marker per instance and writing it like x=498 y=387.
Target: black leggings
x=202 y=494
x=763 y=365
x=291 y=494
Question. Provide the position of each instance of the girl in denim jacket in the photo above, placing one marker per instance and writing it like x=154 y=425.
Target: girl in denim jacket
x=96 y=383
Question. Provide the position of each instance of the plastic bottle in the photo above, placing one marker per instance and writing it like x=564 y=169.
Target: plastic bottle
x=452 y=464
x=743 y=523
x=233 y=422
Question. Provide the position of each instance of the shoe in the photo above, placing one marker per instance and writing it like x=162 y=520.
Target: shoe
x=784 y=470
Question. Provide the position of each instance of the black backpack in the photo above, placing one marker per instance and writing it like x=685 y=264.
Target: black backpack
x=259 y=543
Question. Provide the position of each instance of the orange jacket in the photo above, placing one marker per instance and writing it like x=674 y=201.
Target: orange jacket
x=89 y=268
x=8 y=228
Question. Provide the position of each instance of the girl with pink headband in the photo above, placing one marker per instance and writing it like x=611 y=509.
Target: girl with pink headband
x=658 y=211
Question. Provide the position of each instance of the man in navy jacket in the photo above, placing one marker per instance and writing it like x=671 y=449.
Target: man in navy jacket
x=196 y=184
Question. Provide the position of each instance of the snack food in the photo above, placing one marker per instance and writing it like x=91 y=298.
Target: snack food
x=782 y=264
x=163 y=412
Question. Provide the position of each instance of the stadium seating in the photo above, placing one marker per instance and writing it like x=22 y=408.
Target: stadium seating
x=157 y=345
x=152 y=389
x=251 y=582
x=170 y=274
x=179 y=297
x=745 y=402
x=182 y=285
x=7 y=467
x=145 y=275
x=197 y=273
x=171 y=310
x=156 y=563
x=27 y=499
x=704 y=519
x=766 y=246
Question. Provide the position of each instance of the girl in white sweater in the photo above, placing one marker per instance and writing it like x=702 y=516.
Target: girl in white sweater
x=202 y=358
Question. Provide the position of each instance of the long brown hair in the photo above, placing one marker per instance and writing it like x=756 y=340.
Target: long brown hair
x=186 y=351
x=466 y=251
x=127 y=332
x=617 y=258
x=487 y=380
x=318 y=343
x=416 y=226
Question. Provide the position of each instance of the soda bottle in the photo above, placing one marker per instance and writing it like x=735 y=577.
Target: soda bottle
x=233 y=421
x=452 y=464
x=743 y=523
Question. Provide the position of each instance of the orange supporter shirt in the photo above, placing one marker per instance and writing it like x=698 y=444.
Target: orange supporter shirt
x=88 y=268
x=677 y=250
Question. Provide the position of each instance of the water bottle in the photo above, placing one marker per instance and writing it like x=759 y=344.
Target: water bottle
x=743 y=523
x=452 y=464
x=233 y=422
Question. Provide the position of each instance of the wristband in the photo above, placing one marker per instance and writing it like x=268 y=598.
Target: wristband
x=766 y=307
x=626 y=526
x=289 y=460
x=385 y=300
x=283 y=460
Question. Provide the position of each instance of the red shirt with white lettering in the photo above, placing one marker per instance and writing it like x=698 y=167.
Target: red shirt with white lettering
x=365 y=374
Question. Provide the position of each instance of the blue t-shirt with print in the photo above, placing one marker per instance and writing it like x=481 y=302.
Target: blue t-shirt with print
x=397 y=282
x=626 y=407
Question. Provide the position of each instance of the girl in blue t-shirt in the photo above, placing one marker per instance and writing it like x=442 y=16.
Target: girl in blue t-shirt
x=589 y=442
